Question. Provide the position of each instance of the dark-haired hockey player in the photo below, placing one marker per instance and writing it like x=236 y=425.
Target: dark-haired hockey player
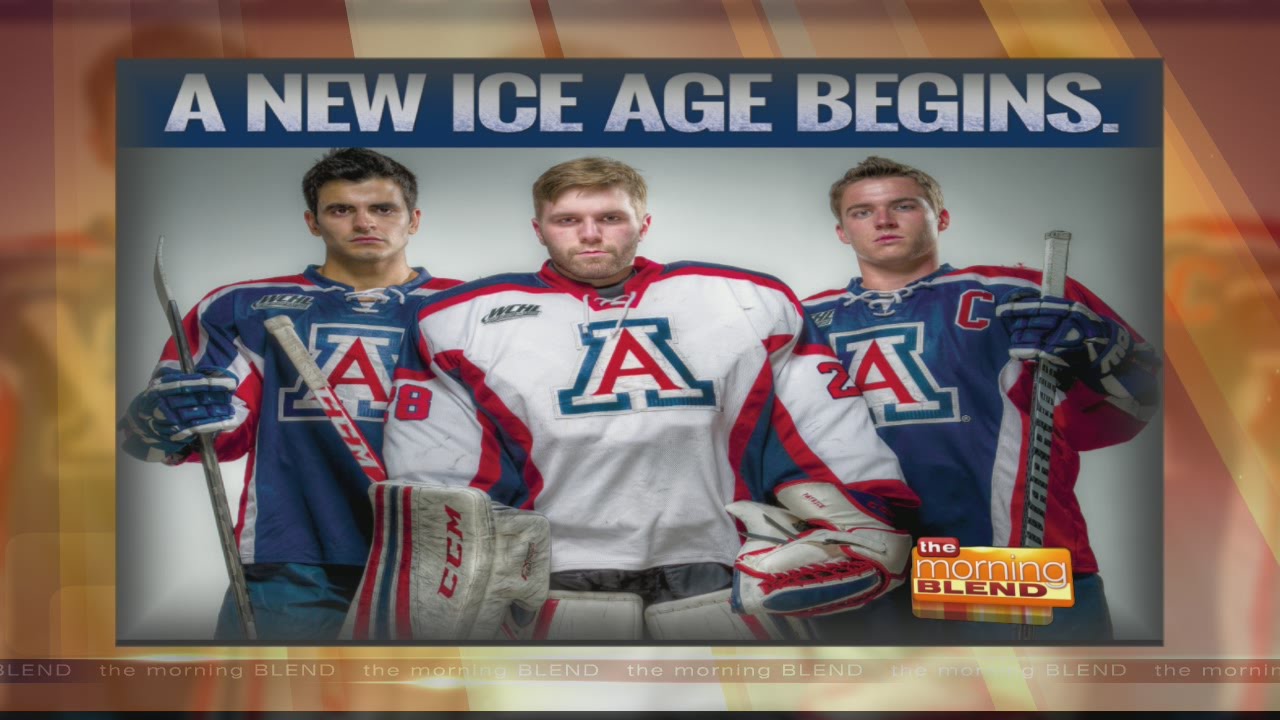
x=630 y=402
x=303 y=520
x=942 y=357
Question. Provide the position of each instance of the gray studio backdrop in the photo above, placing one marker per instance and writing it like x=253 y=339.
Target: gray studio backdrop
x=231 y=215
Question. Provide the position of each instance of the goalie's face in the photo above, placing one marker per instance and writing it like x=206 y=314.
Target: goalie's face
x=363 y=223
x=892 y=228
x=591 y=235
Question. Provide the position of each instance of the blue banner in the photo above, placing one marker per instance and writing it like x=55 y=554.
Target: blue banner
x=640 y=103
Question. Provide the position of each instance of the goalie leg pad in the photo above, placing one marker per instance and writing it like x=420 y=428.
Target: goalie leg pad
x=710 y=617
x=580 y=615
x=446 y=564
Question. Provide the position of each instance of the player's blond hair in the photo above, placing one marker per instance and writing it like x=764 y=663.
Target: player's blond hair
x=590 y=173
x=878 y=167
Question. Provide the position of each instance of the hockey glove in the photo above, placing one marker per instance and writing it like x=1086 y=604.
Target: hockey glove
x=1097 y=350
x=825 y=556
x=162 y=421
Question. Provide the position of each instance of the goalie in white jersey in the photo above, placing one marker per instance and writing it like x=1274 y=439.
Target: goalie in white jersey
x=630 y=402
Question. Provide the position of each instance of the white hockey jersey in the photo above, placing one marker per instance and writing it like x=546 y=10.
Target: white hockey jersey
x=631 y=422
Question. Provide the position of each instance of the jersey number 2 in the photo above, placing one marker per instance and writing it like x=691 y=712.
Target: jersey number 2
x=840 y=386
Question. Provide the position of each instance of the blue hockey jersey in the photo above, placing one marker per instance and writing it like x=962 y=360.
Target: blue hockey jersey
x=304 y=498
x=932 y=362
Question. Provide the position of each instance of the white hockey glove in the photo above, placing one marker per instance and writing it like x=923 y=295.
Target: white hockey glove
x=825 y=556
x=162 y=422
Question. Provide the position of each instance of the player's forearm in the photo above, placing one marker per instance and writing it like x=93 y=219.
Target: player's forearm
x=1134 y=384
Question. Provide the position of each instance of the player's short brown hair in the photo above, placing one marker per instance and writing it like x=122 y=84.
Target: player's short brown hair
x=357 y=165
x=590 y=173
x=878 y=167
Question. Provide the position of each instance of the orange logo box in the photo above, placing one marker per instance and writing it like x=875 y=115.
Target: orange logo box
x=1024 y=577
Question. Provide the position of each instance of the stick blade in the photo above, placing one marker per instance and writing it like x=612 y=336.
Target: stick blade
x=171 y=311
x=162 y=285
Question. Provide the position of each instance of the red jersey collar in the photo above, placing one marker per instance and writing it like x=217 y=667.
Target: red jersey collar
x=646 y=272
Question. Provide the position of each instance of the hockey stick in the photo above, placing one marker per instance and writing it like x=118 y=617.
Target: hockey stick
x=1053 y=281
x=208 y=458
x=281 y=327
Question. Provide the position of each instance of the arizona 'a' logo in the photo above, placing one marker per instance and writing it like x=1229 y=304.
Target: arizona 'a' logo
x=357 y=360
x=634 y=368
x=894 y=380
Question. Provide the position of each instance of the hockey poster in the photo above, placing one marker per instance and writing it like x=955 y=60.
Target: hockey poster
x=739 y=158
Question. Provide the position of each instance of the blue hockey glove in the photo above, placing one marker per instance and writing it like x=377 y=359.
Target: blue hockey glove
x=164 y=419
x=1097 y=350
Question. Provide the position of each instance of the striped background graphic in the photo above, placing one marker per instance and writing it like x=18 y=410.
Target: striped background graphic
x=1222 y=338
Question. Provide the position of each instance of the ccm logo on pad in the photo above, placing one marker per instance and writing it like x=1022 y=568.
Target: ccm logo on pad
x=452 y=553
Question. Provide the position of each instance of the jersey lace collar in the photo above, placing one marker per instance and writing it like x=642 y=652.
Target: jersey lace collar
x=882 y=303
x=856 y=288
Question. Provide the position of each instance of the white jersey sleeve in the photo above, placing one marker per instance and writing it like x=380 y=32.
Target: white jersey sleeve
x=818 y=424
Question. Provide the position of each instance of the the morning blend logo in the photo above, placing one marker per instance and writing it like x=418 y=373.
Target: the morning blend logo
x=989 y=584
